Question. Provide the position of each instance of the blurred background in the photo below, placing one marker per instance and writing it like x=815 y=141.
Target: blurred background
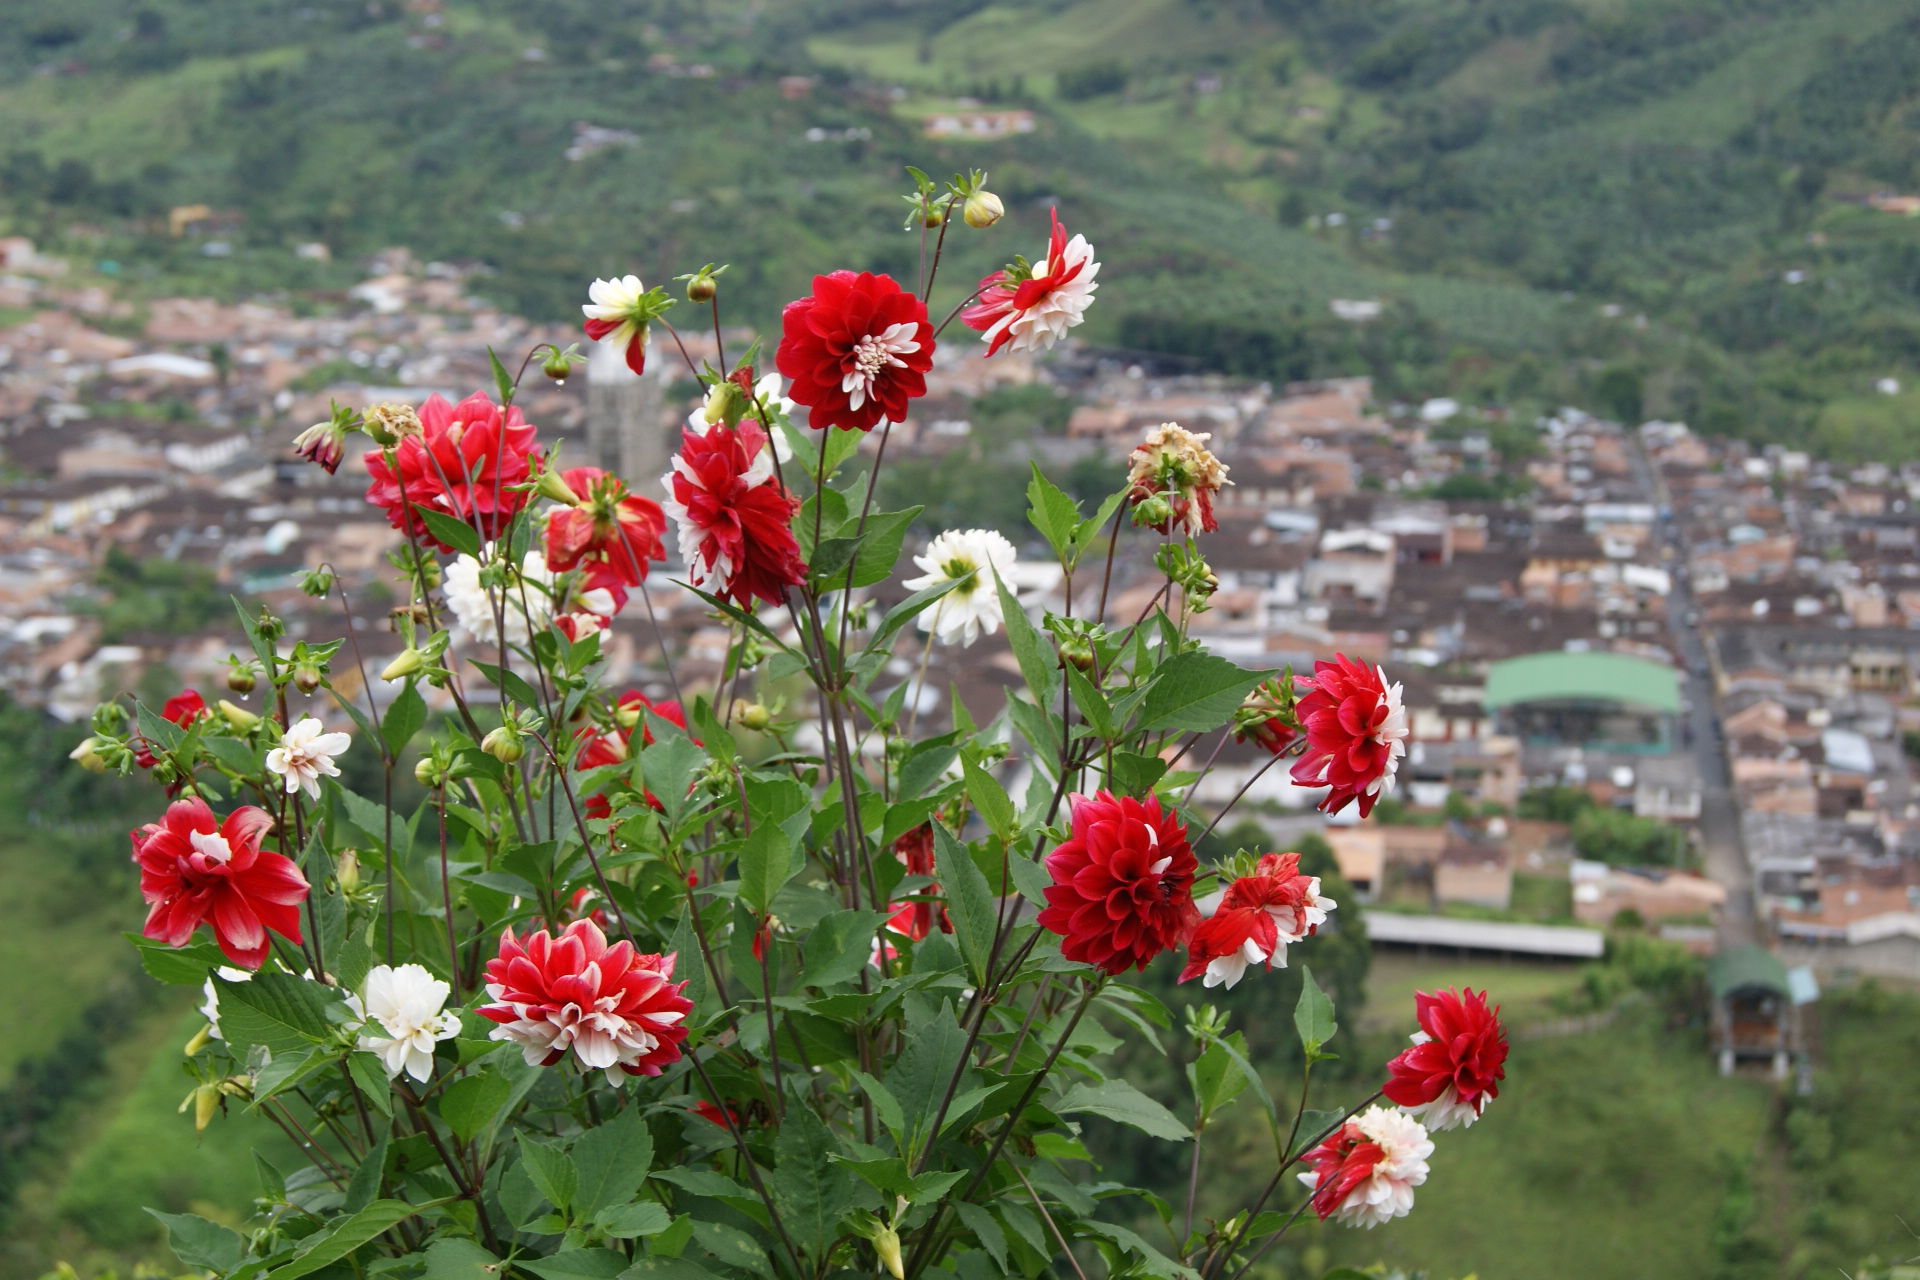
x=1566 y=353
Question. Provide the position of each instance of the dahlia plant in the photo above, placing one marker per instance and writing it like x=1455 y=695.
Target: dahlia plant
x=710 y=979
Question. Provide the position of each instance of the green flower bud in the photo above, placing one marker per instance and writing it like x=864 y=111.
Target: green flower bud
x=982 y=210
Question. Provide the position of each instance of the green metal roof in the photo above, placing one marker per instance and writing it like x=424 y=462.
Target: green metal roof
x=1740 y=968
x=1605 y=677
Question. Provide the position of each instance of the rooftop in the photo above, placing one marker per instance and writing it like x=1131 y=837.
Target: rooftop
x=1602 y=677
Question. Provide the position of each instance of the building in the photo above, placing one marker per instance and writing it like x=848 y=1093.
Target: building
x=1602 y=701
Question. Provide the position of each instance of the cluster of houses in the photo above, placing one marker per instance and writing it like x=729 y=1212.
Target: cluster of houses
x=1538 y=643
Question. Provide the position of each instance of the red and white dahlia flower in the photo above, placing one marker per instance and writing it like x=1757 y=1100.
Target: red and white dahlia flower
x=1175 y=464
x=735 y=519
x=1356 y=733
x=615 y=1009
x=608 y=533
x=1029 y=308
x=469 y=460
x=1457 y=1061
x=1122 y=888
x=196 y=869
x=617 y=312
x=857 y=349
x=1253 y=920
x=1365 y=1172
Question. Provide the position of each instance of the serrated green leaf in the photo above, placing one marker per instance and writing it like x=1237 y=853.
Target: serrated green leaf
x=468 y=1105
x=969 y=899
x=404 y=718
x=1115 y=1099
x=552 y=1172
x=988 y=797
x=451 y=530
x=284 y=1013
x=768 y=859
x=628 y=1221
x=1054 y=514
x=1196 y=691
x=840 y=946
x=200 y=1243
x=342 y=1237
x=879 y=547
x=809 y=1189
x=577 y=1264
x=454 y=1258
x=1313 y=1014
x=612 y=1160
x=187 y=966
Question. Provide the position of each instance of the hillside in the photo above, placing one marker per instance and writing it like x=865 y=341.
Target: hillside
x=1538 y=194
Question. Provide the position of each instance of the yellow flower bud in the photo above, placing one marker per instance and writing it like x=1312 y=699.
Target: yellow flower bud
x=199 y=1041
x=886 y=1243
x=982 y=210
x=87 y=756
x=410 y=662
x=237 y=716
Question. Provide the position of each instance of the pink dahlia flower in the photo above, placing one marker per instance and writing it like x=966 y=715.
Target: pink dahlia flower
x=1356 y=733
x=614 y=1009
x=1457 y=1061
x=1122 y=888
x=469 y=460
x=195 y=869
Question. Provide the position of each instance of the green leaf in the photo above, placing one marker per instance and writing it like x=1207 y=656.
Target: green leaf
x=839 y=947
x=576 y=1264
x=667 y=765
x=371 y=1076
x=969 y=899
x=885 y=1106
x=282 y=1012
x=454 y=1258
x=880 y=546
x=612 y=1160
x=186 y=966
x=1196 y=691
x=934 y=1048
x=511 y=683
x=200 y=1243
x=1152 y=1261
x=452 y=530
x=906 y=611
x=469 y=1104
x=1030 y=649
x=1216 y=1080
x=403 y=719
x=365 y=1183
x=1313 y=1014
x=669 y=1268
x=1091 y=702
x=989 y=797
x=986 y=1229
x=502 y=382
x=732 y=1246
x=343 y=1236
x=1115 y=1099
x=626 y=1221
x=1055 y=515
x=1134 y=774
x=807 y=1187
x=768 y=859
x=552 y=1172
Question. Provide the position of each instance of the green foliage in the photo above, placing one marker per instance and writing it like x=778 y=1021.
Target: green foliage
x=1621 y=839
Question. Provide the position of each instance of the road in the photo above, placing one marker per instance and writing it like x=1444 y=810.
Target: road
x=1723 y=858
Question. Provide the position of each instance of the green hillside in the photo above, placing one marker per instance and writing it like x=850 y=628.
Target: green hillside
x=1538 y=192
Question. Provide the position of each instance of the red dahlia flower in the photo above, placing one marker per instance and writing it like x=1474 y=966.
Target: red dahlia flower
x=599 y=750
x=1356 y=733
x=615 y=1009
x=469 y=460
x=1122 y=888
x=195 y=869
x=915 y=852
x=1254 y=919
x=857 y=348
x=1457 y=1061
x=609 y=534
x=1366 y=1170
x=617 y=311
x=1031 y=308
x=735 y=518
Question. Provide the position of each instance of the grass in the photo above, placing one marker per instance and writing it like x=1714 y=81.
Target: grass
x=123 y=1146
x=1526 y=991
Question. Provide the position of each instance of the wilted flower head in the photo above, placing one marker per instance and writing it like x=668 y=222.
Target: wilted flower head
x=471 y=460
x=978 y=560
x=1175 y=464
x=610 y=534
x=387 y=422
